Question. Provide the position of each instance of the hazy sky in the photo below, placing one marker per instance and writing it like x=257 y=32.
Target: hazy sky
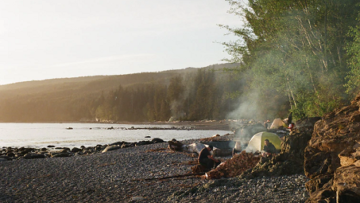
x=42 y=39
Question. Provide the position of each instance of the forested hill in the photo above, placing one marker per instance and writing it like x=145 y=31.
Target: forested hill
x=133 y=97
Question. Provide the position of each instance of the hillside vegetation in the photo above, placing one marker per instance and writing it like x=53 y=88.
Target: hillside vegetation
x=306 y=52
x=134 y=97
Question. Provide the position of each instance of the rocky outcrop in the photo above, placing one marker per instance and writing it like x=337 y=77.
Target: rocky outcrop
x=9 y=153
x=331 y=157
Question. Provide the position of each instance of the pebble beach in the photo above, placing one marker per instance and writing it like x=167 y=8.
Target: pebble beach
x=119 y=176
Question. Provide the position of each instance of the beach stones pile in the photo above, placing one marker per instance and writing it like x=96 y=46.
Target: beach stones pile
x=261 y=189
x=9 y=153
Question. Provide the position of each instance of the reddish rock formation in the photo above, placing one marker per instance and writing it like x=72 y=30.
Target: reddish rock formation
x=332 y=155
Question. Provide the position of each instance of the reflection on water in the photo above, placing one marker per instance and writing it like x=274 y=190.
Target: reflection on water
x=88 y=134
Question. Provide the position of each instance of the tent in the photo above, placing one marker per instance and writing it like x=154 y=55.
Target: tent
x=277 y=123
x=257 y=141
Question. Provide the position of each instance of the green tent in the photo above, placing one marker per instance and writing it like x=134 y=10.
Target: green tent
x=256 y=143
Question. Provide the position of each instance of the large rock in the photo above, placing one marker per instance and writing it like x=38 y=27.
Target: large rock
x=34 y=156
x=157 y=140
x=346 y=183
x=110 y=148
x=331 y=155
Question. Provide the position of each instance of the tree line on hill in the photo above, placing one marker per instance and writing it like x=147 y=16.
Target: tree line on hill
x=195 y=95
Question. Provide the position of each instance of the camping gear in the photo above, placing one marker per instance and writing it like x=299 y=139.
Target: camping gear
x=194 y=147
x=221 y=148
x=221 y=144
x=277 y=123
x=257 y=141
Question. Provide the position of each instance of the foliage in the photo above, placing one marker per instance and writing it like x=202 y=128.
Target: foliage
x=295 y=50
x=190 y=94
x=353 y=49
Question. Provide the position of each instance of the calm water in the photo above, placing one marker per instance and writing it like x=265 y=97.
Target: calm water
x=87 y=134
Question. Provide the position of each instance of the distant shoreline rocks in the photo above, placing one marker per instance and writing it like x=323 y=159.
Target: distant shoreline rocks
x=10 y=153
x=145 y=128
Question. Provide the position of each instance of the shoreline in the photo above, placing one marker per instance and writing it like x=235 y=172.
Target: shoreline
x=116 y=176
x=133 y=174
x=198 y=125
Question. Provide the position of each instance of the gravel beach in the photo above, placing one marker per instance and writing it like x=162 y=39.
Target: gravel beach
x=115 y=176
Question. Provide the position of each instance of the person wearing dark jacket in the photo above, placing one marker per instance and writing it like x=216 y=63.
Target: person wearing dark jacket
x=206 y=159
x=269 y=148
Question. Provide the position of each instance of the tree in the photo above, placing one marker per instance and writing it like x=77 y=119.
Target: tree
x=295 y=50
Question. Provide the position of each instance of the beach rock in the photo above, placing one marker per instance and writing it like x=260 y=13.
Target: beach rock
x=157 y=140
x=60 y=155
x=175 y=145
x=346 y=183
x=117 y=143
x=110 y=148
x=75 y=149
x=66 y=150
x=10 y=154
x=5 y=157
x=142 y=143
x=137 y=198
x=98 y=148
x=332 y=151
x=50 y=146
x=147 y=136
x=33 y=156
x=22 y=151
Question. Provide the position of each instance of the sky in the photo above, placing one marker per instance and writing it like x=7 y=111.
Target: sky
x=44 y=39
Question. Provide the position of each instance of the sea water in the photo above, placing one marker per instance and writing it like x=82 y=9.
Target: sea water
x=89 y=134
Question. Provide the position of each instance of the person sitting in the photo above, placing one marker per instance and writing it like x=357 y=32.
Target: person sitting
x=206 y=159
x=267 y=124
x=269 y=149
